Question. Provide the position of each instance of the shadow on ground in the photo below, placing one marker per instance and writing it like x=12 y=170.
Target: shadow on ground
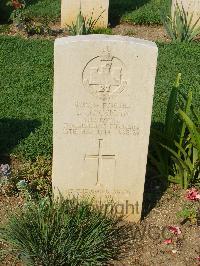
x=117 y=8
x=5 y=11
x=155 y=186
x=13 y=131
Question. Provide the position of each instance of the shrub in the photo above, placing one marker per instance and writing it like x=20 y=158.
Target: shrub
x=67 y=232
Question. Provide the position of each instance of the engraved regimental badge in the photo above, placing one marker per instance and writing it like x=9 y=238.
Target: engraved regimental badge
x=104 y=76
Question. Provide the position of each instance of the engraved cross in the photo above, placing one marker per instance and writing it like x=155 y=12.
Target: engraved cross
x=100 y=157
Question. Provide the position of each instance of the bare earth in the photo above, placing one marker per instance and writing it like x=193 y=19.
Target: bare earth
x=152 y=33
x=149 y=249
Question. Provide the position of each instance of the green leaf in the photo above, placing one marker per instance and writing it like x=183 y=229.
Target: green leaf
x=195 y=135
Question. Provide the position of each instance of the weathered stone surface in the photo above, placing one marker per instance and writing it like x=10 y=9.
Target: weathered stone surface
x=103 y=96
x=89 y=8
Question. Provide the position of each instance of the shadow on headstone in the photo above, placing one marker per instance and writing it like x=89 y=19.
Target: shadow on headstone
x=117 y=8
x=12 y=131
x=155 y=186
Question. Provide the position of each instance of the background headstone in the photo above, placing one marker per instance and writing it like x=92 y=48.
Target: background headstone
x=190 y=6
x=89 y=8
x=103 y=96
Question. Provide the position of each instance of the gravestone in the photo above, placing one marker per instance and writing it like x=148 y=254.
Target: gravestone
x=103 y=96
x=89 y=8
x=190 y=6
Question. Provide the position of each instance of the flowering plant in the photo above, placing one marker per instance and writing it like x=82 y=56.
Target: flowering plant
x=5 y=170
x=17 y=4
x=193 y=194
x=17 y=14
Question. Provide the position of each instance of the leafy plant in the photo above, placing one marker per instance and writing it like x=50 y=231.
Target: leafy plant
x=83 y=26
x=190 y=210
x=188 y=214
x=176 y=149
x=66 y=232
x=180 y=27
x=186 y=155
x=35 y=28
x=33 y=178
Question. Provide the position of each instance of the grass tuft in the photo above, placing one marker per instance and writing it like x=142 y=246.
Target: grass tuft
x=67 y=232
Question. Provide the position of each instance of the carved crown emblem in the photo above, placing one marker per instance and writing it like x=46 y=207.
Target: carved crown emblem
x=106 y=55
x=104 y=75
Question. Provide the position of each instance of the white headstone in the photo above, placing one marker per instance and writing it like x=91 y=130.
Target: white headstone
x=192 y=7
x=89 y=8
x=103 y=96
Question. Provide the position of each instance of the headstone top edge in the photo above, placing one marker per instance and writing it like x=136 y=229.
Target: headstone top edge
x=103 y=37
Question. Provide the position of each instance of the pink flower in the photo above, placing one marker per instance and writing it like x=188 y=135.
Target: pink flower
x=192 y=194
x=168 y=241
x=175 y=230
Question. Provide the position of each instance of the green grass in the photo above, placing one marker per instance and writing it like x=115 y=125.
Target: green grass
x=26 y=71
x=174 y=59
x=132 y=11
x=137 y=11
x=44 y=10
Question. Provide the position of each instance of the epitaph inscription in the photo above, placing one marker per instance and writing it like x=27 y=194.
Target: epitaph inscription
x=102 y=118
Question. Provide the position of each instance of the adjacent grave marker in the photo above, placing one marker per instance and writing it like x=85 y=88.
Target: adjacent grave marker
x=103 y=98
x=89 y=8
x=190 y=6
